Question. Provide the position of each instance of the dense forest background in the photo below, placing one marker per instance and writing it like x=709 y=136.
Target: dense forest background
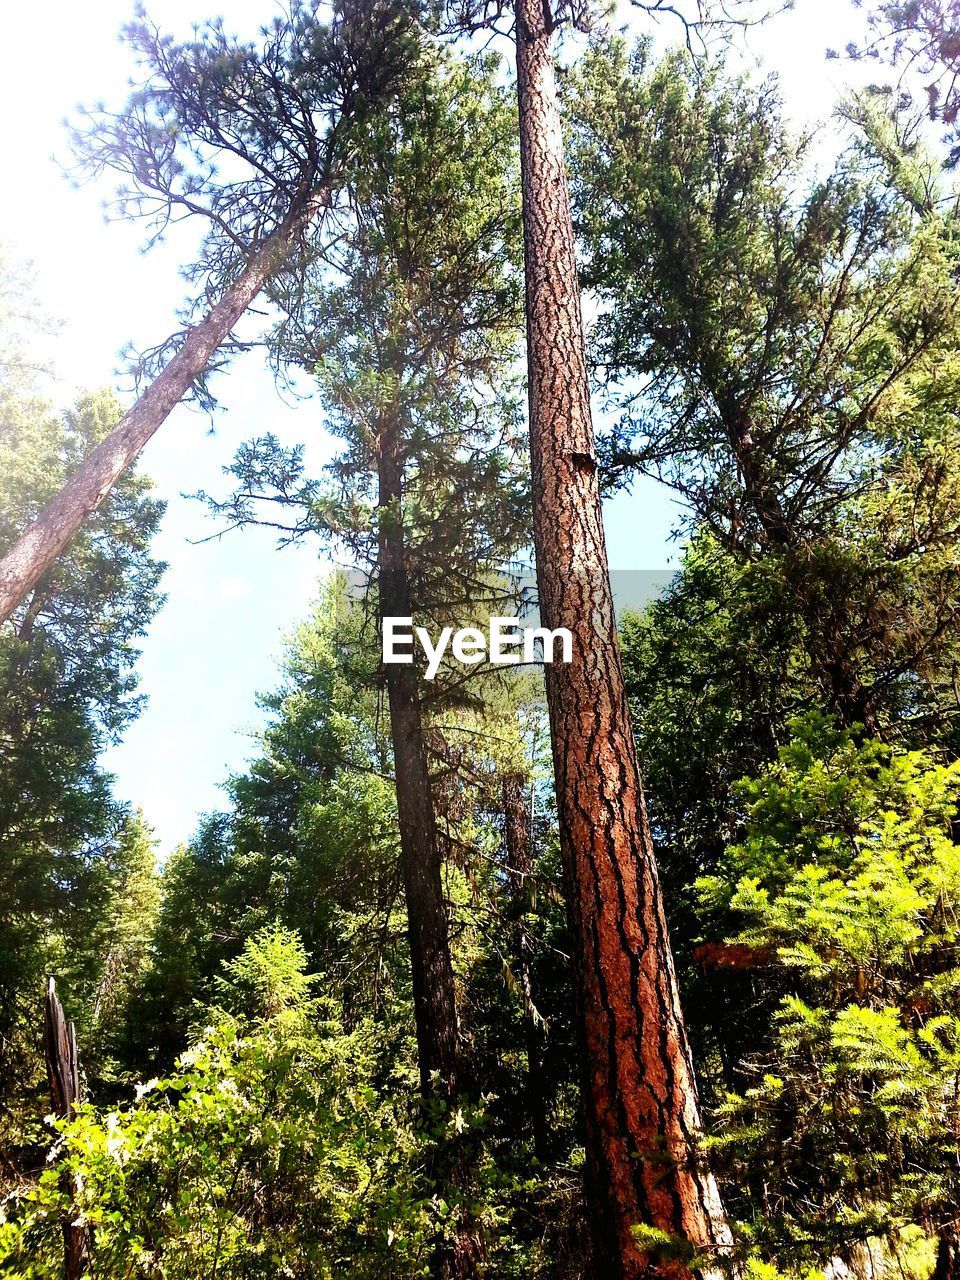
x=335 y=1033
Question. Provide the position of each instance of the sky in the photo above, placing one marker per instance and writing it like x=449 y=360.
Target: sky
x=230 y=602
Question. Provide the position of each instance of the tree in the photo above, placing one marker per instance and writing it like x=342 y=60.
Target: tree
x=132 y=895
x=69 y=688
x=639 y=1099
x=786 y=363
x=921 y=37
x=308 y=841
x=266 y=1147
x=494 y=801
x=39 y=546
x=788 y=366
x=282 y=118
x=408 y=323
x=843 y=1126
x=715 y=669
x=20 y=315
x=519 y=868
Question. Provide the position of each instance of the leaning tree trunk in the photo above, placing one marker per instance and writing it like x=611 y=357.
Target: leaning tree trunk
x=39 y=546
x=640 y=1103
x=434 y=1000
x=60 y=1050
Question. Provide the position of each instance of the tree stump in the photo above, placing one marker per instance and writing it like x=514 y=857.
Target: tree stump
x=60 y=1050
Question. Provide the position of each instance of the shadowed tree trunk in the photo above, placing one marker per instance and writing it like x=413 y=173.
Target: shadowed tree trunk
x=434 y=1000
x=640 y=1103
x=947 y=1266
x=60 y=1051
x=39 y=546
x=519 y=867
x=433 y=988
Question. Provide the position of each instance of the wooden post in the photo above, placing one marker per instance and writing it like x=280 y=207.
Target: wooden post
x=60 y=1050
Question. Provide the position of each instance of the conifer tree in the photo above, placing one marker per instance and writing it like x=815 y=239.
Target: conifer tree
x=408 y=323
x=843 y=1119
x=646 y=1186
x=67 y=690
x=920 y=36
x=281 y=120
x=132 y=893
x=787 y=363
x=792 y=372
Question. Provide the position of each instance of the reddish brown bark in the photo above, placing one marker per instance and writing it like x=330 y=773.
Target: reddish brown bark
x=60 y=1050
x=639 y=1095
x=39 y=546
x=733 y=955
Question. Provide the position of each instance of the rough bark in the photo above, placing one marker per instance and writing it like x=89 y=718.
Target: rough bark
x=947 y=1266
x=640 y=1103
x=433 y=986
x=60 y=1050
x=434 y=998
x=39 y=546
x=519 y=868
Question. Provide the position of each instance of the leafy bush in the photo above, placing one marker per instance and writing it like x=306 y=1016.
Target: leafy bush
x=266 y=1152
x=846 y=888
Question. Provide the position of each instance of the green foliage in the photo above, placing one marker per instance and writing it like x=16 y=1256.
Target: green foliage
x=128 y=883
x=276 y=1146
x=309 y=841
x=741 y=306
x=264 y=1152
x=846 y=887
x=235 y=134
x=783 y=352
x=714 y=670
x=68 y=689
x=410 y=324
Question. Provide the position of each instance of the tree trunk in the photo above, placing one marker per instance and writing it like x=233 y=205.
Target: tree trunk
x=519 y=868
x=60 y=1050
x=640 y=1103
x=434 y=1000
x=947 y=1266
x=39 y=546
x=433 y=987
